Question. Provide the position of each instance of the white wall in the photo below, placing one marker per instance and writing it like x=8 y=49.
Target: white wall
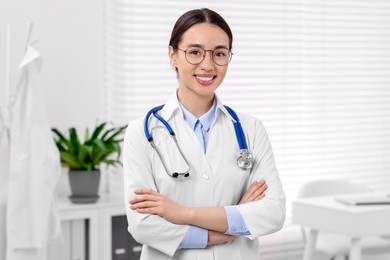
x=70 y=33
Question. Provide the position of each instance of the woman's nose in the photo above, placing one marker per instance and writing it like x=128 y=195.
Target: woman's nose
x=208 y=62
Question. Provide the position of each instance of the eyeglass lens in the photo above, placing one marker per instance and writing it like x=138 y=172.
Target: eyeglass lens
x=196 y=55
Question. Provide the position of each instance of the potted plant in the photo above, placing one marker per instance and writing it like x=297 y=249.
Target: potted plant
x=84 y=158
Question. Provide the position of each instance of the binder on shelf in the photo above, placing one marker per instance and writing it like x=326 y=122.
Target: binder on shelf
x=123 y=244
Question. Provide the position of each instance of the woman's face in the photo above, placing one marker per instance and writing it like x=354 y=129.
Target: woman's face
x=203 y=79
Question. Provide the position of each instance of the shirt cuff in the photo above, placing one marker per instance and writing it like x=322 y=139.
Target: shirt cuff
x=236 y=224
x=195 y=237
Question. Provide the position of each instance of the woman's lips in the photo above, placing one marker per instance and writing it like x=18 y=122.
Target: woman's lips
x=204 y=80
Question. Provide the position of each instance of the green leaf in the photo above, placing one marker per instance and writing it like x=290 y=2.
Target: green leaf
x=97 y=131
x=62 y=143
x=74 y=140
x=89 y=149
x=107 y=132
x=111 y=162
x=83 y=154
x=59 y=135
x=115 y=134
x=70 y=159
x=86 y=135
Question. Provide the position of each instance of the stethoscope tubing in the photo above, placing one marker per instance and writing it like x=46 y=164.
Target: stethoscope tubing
x=172 y=134
x=146 y=129
x=244 y=160
x=237 y=125
x=238 y=129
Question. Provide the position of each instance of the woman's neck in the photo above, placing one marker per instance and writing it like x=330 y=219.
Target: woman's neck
x=197 y=105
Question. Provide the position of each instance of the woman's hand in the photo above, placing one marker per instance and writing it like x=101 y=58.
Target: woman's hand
x=215 y=237
x=255 y=192
x=149 y=201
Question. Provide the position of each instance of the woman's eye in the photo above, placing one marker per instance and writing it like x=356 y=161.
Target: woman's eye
x=194 y=52
x=220 y=53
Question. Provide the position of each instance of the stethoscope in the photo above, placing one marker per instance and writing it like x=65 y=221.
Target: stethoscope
x=244 y=159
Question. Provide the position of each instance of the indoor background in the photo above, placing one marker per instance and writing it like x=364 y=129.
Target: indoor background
x=316 y=72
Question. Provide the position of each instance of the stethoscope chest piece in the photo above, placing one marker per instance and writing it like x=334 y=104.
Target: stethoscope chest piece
x=245 y=160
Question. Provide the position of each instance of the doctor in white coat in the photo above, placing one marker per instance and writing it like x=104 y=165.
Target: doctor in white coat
x=193 y=201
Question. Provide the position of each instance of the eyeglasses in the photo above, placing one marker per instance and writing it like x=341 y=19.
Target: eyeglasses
x=195 y=55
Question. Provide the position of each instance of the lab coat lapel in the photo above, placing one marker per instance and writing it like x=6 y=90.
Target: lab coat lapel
x=221 y=127
x=185 y=130
x=172 y=113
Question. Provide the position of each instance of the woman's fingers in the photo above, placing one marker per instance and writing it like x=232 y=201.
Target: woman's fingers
x=146 y=191
x=259 y=197
x=254 y=191
x=142 y=198
x=215 y=237
x=248 y=193
x=258 y=192
x=145 y=195
x=143 y=204
x=148 y=201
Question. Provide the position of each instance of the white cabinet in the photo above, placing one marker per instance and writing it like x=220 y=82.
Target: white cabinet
x=87 y=228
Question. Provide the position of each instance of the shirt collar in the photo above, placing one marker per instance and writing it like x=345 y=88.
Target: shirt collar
x=172 y=106
x=206 y=120
x=221 y=107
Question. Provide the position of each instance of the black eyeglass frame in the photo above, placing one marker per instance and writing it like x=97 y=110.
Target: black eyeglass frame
x=204 y=55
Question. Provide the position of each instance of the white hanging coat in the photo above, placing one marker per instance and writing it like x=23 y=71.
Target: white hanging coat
x=34 y=169
x=215 y=180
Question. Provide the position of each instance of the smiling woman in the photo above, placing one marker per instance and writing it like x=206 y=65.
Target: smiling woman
x=203 y=69
x=171 y=213
x=316 y=73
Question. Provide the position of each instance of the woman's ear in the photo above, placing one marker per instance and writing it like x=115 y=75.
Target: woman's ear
x=172 y=56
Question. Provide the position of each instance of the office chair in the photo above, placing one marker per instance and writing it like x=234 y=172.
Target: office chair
x=334 y=244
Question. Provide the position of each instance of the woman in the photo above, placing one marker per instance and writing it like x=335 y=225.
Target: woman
x=196 y=200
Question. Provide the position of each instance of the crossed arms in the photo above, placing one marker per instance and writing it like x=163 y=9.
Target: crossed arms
x=148 y=201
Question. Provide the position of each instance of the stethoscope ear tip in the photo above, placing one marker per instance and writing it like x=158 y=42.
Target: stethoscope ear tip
x=176 y=174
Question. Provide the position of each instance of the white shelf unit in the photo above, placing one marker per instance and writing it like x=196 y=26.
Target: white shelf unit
x=98 y=215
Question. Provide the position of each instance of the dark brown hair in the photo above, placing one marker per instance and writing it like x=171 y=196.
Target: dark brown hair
x=197 y=16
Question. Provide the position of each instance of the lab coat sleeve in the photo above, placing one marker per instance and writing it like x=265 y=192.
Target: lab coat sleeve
x=268 y=214
x=147 y=229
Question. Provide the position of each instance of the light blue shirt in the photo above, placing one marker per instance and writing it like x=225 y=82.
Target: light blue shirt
x=201 y=126
x=197 y=237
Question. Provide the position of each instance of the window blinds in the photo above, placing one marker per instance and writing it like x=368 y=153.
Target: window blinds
x=316 y=72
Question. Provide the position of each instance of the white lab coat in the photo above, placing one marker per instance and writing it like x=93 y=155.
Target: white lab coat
x=32 y=217
x=215 y=180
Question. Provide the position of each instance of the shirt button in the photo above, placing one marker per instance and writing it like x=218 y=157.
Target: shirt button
x=205 y=176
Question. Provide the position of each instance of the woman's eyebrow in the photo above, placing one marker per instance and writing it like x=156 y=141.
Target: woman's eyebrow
x=221 y=47
x=202 y=46
x=195 y=45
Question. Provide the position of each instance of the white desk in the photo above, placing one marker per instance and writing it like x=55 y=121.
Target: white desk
x=327 y=214
x=99 y=215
